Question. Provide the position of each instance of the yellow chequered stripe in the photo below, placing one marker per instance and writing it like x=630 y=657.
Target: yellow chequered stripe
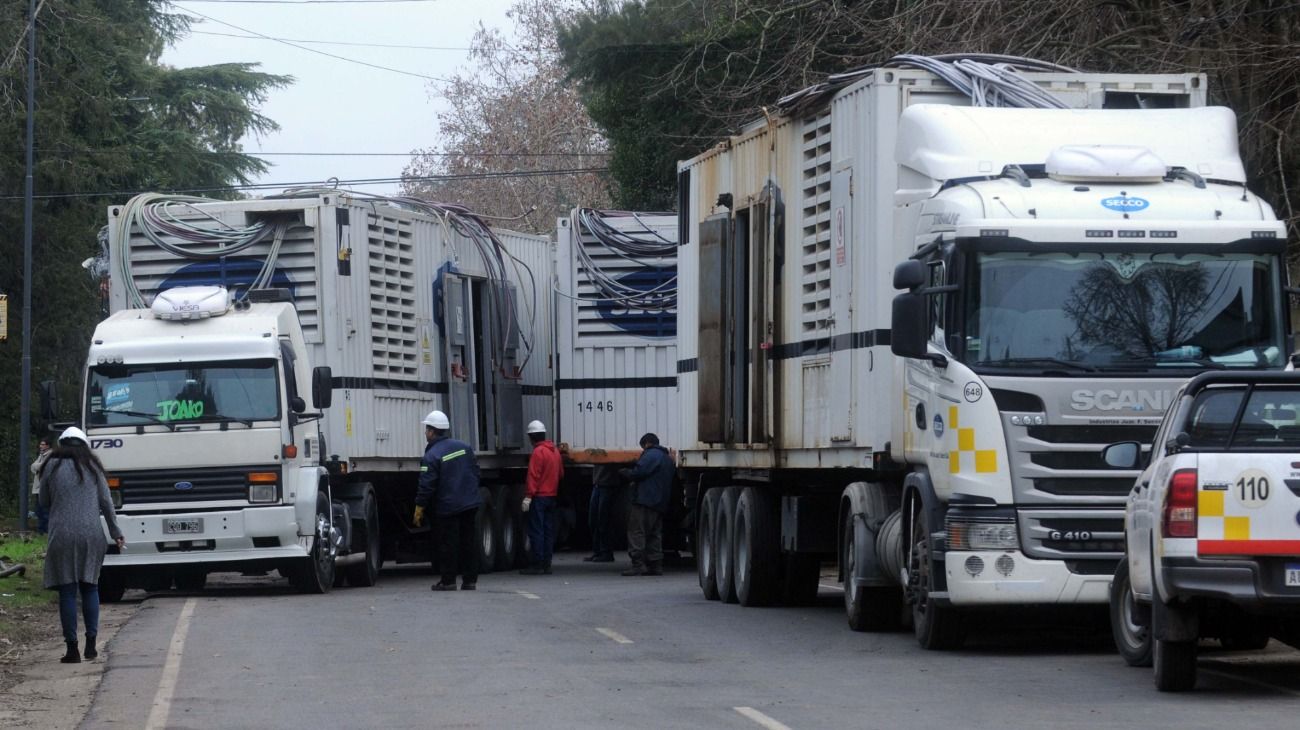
x=1210 y=504
x=1236 y=528
x=954 y=462
x=986 y=462
x=965 y=439
x=952 y=416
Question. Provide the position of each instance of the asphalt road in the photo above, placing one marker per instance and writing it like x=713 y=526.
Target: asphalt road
x=587 y=648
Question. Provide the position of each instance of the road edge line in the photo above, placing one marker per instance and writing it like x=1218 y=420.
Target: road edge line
x=162 y=700
x=770 y=723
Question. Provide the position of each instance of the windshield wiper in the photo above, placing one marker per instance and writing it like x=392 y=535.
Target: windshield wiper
x=1150 y=364
x=153 y=418
x=224 y=419
x=1048 y=361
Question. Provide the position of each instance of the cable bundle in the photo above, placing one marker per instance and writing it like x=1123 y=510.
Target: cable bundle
x=988 y=80
x=637 y=247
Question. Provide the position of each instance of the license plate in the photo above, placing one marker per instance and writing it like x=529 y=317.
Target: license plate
x=1293 y=574
x=194 y=526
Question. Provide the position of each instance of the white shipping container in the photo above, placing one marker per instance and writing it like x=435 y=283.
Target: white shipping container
x=616 y=367
x=399 y=305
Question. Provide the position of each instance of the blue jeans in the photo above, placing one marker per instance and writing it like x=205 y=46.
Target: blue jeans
x=541 y=530
x=89 y=609
x=598 y=516
x=42 y=520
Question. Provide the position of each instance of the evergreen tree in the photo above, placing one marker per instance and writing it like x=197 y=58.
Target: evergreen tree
x=110 y=119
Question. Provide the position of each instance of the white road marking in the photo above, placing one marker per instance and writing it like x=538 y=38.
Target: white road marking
x=1256 y=682
x=162 y=700
x=761 y=719
x=612 y=634
x=831 y=587
x=526 y=594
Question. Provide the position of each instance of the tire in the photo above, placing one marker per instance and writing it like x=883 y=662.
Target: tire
x=757 y=548
x=1131 y=638
x=112 y=586
x=366 y=573
x=315 y=573
x=705 y=557
x=867 y=608
x=503 y=519
x=1175 y=663
x=801 y=575
x=191 y=580
x=724 y=544
x=936 y=627
x=486 y=532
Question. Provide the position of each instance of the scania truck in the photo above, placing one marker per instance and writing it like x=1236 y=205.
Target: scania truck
x=1065 y=262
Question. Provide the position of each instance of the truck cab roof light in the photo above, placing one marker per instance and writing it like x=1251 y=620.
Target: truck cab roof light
x=191 y=303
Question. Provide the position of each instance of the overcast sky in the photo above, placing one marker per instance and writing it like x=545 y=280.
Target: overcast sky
x=338 y=105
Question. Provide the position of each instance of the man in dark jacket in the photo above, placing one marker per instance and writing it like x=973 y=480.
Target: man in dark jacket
x=652 y=480
x=449 y=485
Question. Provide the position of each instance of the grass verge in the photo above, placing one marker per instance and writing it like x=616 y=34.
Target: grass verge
x=26 y=607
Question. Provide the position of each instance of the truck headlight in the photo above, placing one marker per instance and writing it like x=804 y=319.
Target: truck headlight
x=982 y=534
x=263 y=488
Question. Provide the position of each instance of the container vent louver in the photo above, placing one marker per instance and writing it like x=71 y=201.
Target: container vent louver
x=394 y=343
x=815 y=245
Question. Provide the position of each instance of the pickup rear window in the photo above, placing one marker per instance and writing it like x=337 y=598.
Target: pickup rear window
x=1244 y=419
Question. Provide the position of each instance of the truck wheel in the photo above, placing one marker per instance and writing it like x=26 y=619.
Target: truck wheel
x=1132 y=639
x=935 y=626
x=724 y=544
x=315 y=573
x=705 y=557
x=801 y=576
x=191 y=580
x=112 y=585
x=503 y=522
x=1175 y=663
x=756 y=548
x=366 y=574
x=867 y=608
x=487 y=554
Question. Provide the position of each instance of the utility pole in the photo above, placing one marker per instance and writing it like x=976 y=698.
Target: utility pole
x=24 y=413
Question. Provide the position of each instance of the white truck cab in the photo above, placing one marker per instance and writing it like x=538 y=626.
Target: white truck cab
x=1212 y=525
x=197 y=407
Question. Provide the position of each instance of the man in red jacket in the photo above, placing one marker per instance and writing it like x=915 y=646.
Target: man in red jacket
x=544 y=471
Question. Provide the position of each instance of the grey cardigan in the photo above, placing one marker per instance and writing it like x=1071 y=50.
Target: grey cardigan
x=77 y=543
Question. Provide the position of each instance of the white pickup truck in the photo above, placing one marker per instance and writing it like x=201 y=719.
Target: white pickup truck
x=1212 y=526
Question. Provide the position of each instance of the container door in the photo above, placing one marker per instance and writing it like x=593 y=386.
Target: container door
x=458 y=370
x=507 y=375
x=841 y=325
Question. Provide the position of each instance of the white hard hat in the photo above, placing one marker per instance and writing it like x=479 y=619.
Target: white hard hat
x=537 y=427
x=438 y=420
x=72 y=433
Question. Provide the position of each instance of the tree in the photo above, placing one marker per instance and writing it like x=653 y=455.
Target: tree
x=109 y=119
x=515 y=112
x=690 y=72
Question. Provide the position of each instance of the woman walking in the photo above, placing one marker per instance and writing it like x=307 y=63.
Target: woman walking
x=75 y=492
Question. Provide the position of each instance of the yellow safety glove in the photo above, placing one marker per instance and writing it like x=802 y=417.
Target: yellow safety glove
x=419 y=516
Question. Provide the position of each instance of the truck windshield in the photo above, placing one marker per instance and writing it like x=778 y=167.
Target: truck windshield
x=1123 y=311
x=130 y=395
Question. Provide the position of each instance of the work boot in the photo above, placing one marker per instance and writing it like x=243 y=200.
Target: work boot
x=532 y=570
x=468 y=586
x=636 y=569
x=606 y=558
x=90 y=652
x=654 y=567
x=73 y=656
x=443 y=587
x=546 y=569
x=590 y=558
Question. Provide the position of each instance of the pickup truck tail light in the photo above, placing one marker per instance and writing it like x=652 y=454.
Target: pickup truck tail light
x=1180 y=505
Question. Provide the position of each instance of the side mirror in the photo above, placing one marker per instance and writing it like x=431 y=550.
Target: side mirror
x=909 y=275
x=1123 y=455
x=297 y=404
x=49 y=401
x=322 y=387
x=907 y=337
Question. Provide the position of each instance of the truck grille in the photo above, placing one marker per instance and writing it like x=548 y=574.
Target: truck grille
x=212 y=484
x=1063 y=464
x=1057 y=534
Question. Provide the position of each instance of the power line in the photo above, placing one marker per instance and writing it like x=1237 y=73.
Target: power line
x=329 y=43
x=333 y=182
x=507 y=155
x=311 y=2
x=313 y=50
